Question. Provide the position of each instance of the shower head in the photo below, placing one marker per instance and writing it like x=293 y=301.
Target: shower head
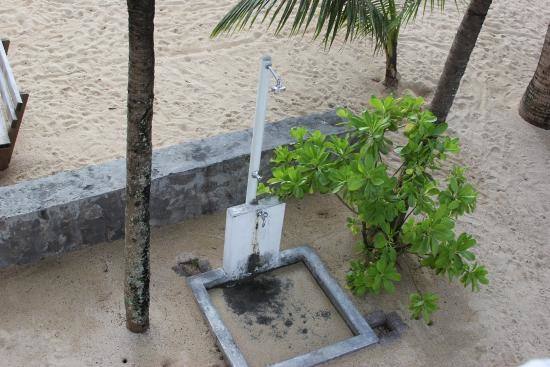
x=279 y=87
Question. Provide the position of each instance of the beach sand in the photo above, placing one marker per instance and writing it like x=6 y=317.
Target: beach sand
x=70 y=311
x=72 y=59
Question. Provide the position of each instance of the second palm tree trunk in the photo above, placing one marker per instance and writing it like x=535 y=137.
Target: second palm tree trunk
x=391 y=79
x=457 y=60
x=535 y=104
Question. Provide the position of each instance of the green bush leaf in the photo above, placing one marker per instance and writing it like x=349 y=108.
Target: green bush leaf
x=377 y=104
x=397 y=205
x=423 y=305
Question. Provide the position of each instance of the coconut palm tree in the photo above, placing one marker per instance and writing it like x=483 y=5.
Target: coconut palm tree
x=141 y=76
x=381 y=20
x=459 y=55
x=535 y=104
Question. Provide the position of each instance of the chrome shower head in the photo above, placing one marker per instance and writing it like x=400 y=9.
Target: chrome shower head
x=279 y=87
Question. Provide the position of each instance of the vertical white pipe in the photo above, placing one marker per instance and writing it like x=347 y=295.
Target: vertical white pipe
x=258 y=132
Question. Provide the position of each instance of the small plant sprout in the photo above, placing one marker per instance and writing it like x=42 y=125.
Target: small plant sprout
x=404 y=209
x=423 y=305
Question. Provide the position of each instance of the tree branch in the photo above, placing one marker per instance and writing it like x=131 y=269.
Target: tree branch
x=346 y=204
x=398 y=169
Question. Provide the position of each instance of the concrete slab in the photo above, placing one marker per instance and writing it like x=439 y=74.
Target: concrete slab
x=284 y=309
x=362 y=334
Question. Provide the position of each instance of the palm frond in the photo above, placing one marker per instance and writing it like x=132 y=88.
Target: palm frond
x=373 y=20
x=331 y=16
x=376 y=19
x=411 y=8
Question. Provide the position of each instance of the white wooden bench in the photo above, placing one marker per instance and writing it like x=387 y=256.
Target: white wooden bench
x=12 y=108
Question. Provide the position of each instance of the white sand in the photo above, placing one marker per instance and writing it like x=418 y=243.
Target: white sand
x=72 y=58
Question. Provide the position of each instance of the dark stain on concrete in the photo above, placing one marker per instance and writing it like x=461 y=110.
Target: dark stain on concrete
x=258 y=295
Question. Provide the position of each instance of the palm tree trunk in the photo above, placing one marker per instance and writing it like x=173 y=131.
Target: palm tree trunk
x=390 y=49
x=141 y=74
x=457 y=60
x=535 y=104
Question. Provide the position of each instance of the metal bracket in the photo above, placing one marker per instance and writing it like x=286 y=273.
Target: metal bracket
x=256 y=175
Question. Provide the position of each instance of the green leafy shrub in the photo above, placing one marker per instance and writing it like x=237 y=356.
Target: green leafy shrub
x=401 y=210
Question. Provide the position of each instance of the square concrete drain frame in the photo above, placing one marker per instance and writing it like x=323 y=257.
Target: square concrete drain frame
x=363 y=334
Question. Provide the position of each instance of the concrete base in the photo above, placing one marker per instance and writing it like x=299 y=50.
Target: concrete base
x=74 y=209
x=363 y=334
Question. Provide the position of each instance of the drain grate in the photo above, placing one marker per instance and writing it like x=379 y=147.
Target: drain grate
x=388 y=327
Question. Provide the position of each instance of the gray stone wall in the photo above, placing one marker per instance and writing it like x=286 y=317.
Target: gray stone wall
x=73 y=209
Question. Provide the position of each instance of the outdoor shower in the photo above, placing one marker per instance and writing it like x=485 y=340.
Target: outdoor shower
x=252 y=246
x=253 y=230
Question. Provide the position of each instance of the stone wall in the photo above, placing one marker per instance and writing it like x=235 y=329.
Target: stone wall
x=74 y=209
